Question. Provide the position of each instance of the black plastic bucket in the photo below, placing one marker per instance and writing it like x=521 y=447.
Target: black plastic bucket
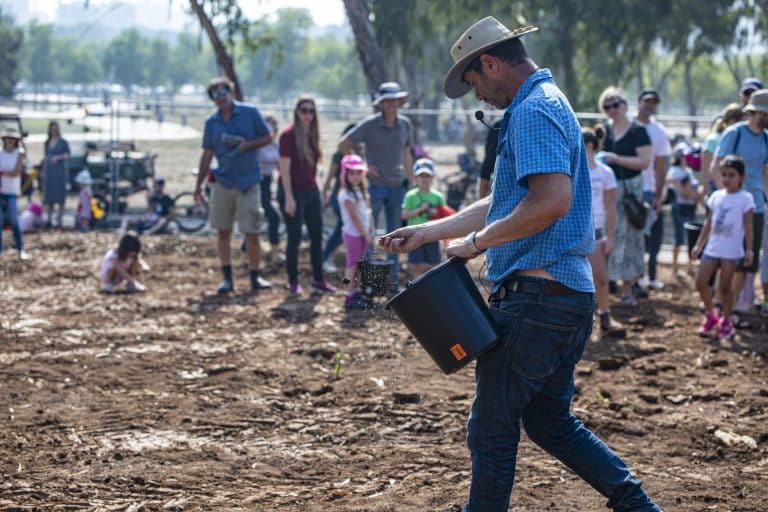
x=447 y=315
x=692 y=231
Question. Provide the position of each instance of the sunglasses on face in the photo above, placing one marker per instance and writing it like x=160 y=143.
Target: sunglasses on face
x=306 y=110
x=611 y=106
x=219 y=93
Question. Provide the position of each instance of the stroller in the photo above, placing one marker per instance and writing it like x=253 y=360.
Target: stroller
x=462 y=182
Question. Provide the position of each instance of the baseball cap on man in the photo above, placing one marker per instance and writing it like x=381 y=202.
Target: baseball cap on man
x=424 y=166
x=758 y=102
x=750 y=84
x=648 y=94
x=480 y=37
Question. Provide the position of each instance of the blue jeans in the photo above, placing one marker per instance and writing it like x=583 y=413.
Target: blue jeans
x=528 y=376
x=8 y=206
x=653 y=242
x=391 y=199
x=334 y=241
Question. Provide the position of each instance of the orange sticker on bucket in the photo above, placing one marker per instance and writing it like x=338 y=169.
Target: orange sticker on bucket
x=458 y=352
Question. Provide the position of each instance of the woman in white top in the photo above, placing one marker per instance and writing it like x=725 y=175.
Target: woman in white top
x=11 y=162
x=604 y=215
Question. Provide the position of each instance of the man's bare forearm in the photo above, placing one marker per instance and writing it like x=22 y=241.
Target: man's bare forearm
x=471 y=218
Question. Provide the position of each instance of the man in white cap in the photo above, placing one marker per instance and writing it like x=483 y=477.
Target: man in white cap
x=537 y=229
x=388 y=137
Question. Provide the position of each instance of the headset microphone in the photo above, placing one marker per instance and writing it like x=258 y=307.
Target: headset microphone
x=479 y=115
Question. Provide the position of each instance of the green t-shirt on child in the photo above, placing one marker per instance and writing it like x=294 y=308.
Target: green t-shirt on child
x=414 y=198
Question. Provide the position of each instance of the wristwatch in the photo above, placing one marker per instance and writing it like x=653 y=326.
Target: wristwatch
x=470 y=242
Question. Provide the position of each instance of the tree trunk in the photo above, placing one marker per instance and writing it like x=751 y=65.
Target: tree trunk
x=367 y=48
x=690 y=95
x=222 y=58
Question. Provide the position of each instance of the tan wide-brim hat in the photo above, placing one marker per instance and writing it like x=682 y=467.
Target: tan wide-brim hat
x=478 y=38
x=10 y=132
x=758 y=102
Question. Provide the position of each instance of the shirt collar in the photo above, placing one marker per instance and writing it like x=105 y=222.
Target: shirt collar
x=534 y=78
x=236 y=108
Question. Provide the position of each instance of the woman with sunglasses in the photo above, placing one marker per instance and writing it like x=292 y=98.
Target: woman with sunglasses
x=299 y=195
x=627 y=151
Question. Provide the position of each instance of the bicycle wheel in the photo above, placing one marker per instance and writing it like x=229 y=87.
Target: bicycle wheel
x=190 y=216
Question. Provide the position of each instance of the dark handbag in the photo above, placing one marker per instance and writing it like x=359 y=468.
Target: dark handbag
x=636 y=210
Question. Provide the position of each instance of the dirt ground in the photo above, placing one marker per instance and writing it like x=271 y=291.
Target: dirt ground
x=177 y=399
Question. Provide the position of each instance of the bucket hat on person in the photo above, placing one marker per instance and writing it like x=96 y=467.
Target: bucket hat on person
x=478 y=38
x=424 y=166
x=390 y=91
x=758 y=102
x=84 y=178
x=10 y=132
x=351 y=162
x=750 y=84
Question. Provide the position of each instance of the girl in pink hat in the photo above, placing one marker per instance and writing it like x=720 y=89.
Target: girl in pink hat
x=355 y=229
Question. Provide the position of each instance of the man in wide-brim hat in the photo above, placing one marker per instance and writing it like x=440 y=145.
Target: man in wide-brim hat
x=538 y=230
x=388 y=137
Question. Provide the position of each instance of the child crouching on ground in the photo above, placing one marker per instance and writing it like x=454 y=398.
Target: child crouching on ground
x=355 y=228
x=123 y=264
x=419 y=205
x=723 y=242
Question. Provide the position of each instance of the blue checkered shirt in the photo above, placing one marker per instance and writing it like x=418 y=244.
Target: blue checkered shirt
x=539 y=134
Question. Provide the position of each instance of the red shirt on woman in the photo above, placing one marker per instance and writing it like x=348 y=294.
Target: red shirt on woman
x=302 y=173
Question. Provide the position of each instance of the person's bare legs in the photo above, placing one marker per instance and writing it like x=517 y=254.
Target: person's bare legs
x=253 y=249
x=223 y=246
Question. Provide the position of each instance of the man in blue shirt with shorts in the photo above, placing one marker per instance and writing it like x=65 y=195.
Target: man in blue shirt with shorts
x=233 y=134
x=537 y=229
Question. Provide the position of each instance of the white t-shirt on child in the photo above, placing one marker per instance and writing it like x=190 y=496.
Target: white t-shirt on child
x=347 y=226
x=602 y=179
x=726 y=235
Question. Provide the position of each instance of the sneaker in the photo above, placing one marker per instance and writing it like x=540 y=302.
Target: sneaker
x=323 y=286
x=294 y=290
x=23 y=255
x=726 y=329
x=709 y=324
x=134 y=287
x=644 y=282
x=656 y=285
x=610 y=327
x=260 y=284
x=638 y=292
x=225 y=287
x=329 y=267
x=628 y=300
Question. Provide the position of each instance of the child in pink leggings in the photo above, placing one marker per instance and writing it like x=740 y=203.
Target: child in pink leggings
x=355 y=229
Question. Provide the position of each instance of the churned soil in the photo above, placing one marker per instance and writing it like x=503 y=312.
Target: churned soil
x=177 y=399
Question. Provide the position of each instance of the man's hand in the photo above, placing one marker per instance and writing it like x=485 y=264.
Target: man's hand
x=243 y=146
x=403 y=240
x=198 y=195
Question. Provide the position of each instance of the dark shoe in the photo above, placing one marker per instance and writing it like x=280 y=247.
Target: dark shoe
x=638 y=292
x=610 y=327
x=260 y=284
x=225 y=287
x=613 y=287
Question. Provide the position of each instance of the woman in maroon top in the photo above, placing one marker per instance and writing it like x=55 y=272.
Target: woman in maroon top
x=299 y=195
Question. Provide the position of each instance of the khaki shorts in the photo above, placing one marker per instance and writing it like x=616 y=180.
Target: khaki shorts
x=230 y=204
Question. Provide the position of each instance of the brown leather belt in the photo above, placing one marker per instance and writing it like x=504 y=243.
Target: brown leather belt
x=535 y=287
